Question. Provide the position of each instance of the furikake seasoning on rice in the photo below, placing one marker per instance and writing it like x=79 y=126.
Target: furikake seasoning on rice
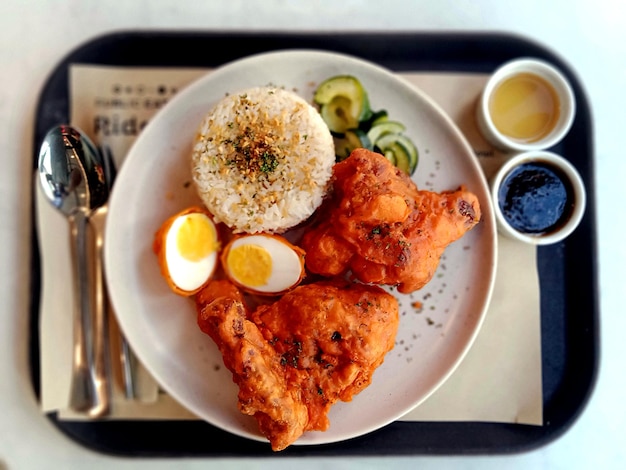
x=262 y=160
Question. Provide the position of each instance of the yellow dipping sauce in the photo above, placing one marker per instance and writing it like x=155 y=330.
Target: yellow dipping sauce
x=525 y=107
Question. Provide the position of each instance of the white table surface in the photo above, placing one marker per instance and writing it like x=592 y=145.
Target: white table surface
x=35 y=35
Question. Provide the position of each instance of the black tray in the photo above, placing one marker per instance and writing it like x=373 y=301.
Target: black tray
x=567 y=270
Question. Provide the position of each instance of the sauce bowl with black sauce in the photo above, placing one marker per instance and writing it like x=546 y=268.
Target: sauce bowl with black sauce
x=539 y=198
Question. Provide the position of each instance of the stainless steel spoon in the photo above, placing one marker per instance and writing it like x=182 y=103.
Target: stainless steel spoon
x=72 y=177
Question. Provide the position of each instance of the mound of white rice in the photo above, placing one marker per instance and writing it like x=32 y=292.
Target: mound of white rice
x=262 y=160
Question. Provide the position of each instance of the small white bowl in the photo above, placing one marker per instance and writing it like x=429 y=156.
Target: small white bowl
x=575 y=206
x=549 y=73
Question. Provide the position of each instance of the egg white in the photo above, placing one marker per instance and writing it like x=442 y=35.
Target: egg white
x=186 y=275
x=286 y=265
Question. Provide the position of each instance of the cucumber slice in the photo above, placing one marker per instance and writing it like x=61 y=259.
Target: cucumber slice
x=400 y=157
x=337 y=115
x=353 y=107
x=352 y=139
x=404 y=151
x=379 y=116
x=376 y=117
x=383 y=128
x=391 y=156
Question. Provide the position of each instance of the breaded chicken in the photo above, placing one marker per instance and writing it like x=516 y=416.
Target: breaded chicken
x=381 y=228
x=294 y=358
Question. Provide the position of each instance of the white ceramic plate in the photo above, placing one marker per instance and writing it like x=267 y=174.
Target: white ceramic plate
x=161 y=327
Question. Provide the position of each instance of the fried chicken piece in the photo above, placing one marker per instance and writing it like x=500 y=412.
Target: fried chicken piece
x=294 y=358
x=379 y=226
x=257 y=369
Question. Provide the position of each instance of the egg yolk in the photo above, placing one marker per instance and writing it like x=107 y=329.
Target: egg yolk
x=196 y=239
x=251 y=265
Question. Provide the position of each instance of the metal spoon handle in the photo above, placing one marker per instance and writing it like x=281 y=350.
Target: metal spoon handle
x=126 y=359
x=102 y=397
x=81 y=386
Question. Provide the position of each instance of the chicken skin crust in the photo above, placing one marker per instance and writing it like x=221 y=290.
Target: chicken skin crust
x=381 y=228
x=294 y=358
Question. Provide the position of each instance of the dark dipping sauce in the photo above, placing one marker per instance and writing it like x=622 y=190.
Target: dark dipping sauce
x=534 y=198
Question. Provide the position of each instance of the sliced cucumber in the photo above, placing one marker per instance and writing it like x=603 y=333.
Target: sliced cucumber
x=403 y=149
x=343 y=102
x=391 y=156
x=352 y=139
x=377 y=117
x=383 y=128
x=337 y=115
x=344 y=106
x=397 y=155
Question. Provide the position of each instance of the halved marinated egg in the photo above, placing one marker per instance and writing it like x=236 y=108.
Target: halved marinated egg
x=187 y=246
x=263 y=263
